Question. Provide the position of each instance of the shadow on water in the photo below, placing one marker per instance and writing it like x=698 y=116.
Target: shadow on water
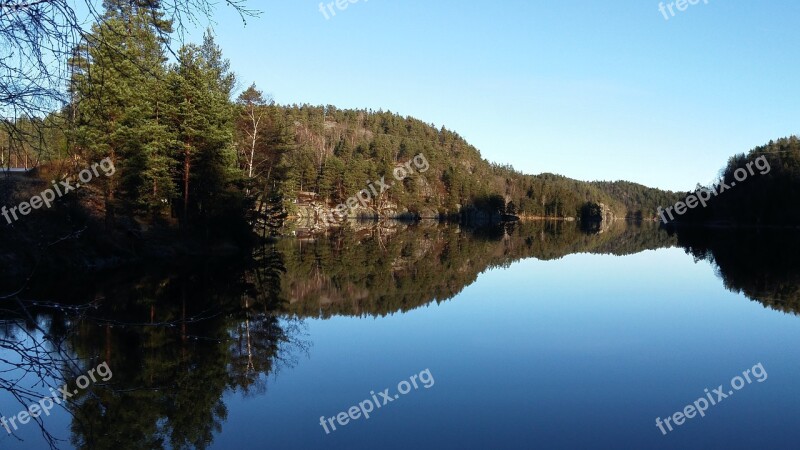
x=177 y=340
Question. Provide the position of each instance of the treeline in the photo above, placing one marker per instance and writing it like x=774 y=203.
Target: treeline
x=188 y=153
x=641 y=202
x=758 y=188
x=333 y=153
x=28 y=142
x=170 y=127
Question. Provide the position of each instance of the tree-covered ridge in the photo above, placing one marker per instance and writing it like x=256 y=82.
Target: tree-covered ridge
x=766 y=196
x=641 y=202
x=335 y=151
x=190 y=153
x=379 y=271
x=283 y=152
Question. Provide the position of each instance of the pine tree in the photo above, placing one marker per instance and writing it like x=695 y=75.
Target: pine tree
x=118 y=87
x=203 y=120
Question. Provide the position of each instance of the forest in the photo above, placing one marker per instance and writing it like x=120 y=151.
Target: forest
x=765 y=198
x=195 y=151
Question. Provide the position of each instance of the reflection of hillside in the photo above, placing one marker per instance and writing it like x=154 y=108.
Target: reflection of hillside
x=387 y=270
x=620 y=238
x=763 y=264
x=176 y=342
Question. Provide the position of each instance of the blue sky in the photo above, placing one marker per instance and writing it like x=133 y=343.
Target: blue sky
x=592 y=90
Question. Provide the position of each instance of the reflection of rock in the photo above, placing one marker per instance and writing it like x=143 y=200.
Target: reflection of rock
x=597 y=217
x=607 y=217
x=387 y=267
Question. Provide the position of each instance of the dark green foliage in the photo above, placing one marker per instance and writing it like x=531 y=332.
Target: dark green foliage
x=184 y=150
x=336 y=152
x=118 y=104
x=591 y=212
x=494 y=203
x=641 y=202
x=765 y=193
x=202 y=116
x=168 y=130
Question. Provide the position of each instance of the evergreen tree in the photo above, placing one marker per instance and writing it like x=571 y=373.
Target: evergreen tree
x=203 y=120
x=118 y=87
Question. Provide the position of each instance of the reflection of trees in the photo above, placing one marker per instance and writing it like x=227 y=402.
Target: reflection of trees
x=176 y=342
x=261 y=330
x=378 y=271
x=762 y=264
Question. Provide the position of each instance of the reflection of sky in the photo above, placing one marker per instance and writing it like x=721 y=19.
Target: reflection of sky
x=57 y=423
x=583 y=352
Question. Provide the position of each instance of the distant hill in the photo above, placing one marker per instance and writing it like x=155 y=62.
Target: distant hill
x=641 y=202
x=334 y=153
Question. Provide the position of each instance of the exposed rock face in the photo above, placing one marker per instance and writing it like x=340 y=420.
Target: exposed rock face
x=607 y=217
x=311 y=212
x=318 y=215
x=597 y=217
x=606 y=214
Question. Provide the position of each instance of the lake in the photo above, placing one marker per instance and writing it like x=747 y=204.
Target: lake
x=528 y=335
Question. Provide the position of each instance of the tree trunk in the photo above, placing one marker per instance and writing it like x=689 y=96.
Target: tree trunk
x=187 y=165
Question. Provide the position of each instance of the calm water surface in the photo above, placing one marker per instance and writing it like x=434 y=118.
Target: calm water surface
x=534 y=336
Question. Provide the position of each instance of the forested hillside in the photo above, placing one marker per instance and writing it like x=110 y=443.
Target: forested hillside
x=757 y=188
x=335 y=152
x=640 y=201
x=192 y=152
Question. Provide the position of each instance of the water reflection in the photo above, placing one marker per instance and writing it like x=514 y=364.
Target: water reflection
x=177 y=340
x=762 y=264
x=387 y=269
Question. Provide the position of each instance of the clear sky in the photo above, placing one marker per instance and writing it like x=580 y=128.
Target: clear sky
x=589 y=89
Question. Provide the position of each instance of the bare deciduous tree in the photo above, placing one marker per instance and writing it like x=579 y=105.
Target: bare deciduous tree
x=252 y=102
